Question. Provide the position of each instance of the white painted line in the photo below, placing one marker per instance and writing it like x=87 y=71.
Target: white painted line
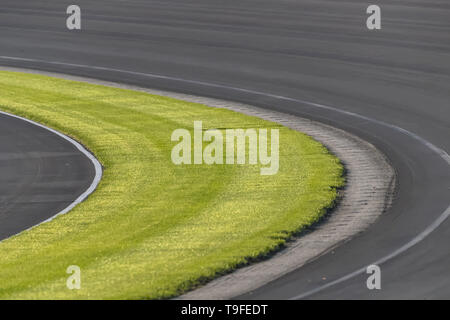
x=95 y=162
x=428 y=144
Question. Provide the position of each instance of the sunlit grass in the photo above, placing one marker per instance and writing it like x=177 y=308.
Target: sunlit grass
x=153 y=229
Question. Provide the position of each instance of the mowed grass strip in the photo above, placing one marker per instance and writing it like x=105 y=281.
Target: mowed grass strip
x=153 y=229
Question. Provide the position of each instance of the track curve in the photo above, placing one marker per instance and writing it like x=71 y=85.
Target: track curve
x=307 y=51
x=42 y=174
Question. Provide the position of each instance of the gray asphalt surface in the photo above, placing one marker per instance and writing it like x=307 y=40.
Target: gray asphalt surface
x=316 y=51
x=40 y=175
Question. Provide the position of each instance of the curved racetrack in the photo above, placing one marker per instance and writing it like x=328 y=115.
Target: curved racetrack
x=314 y=59
x=41 y=174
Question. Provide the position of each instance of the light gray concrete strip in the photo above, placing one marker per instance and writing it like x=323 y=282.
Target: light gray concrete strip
x=368 y=192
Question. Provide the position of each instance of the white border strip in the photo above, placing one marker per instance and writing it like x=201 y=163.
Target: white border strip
x=441 y=153
x=95 y=162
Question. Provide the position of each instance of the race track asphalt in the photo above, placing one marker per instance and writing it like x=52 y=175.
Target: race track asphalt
x=291 y=56
x=41 y=174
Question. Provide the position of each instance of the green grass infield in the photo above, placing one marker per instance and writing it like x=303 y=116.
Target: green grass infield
x=154 y=229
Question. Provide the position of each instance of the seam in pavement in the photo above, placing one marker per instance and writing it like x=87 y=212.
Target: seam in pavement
x=370 y=182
